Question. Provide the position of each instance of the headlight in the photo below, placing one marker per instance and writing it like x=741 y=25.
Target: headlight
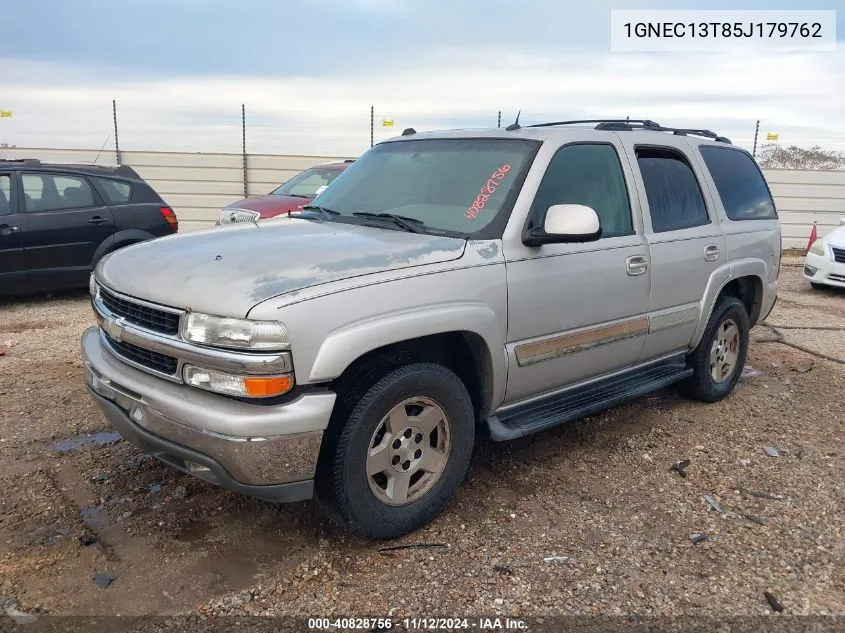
x=236 y=385
x=818 y=248
x=92 y=286
x=234 y=333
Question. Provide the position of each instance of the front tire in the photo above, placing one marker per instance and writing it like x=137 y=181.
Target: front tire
x=398 y=457
x=718 y=360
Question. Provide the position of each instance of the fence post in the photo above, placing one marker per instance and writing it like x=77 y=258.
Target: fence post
x=756 y=132
x=243 y=144
x=372 y=125
x=116 y=143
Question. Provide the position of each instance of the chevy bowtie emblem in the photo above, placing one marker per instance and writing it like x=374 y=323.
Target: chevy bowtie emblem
x=116 y=329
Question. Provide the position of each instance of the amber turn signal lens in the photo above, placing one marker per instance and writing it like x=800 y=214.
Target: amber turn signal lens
x=262 y=387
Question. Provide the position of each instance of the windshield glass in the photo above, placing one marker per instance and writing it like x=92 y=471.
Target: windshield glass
x=453 y=185
x=308 y=183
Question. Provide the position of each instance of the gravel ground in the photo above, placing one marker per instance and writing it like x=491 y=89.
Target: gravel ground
x=583 y=519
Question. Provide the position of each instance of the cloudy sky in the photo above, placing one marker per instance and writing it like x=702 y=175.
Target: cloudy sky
x=309 y=70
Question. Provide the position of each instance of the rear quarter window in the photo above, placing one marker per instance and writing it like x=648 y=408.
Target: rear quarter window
x=114 y=191
x=740 y=184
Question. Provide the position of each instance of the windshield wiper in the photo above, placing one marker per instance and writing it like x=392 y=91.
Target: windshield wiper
x=412 y=225
x=325 y=212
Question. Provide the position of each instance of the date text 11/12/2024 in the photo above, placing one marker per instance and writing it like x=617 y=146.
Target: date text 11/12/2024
x=417 y=624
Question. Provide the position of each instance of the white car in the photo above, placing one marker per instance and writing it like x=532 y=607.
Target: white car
x=824 y=264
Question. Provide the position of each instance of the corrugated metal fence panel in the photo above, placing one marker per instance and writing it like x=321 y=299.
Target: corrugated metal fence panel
x=803 y=197
x=197 y=186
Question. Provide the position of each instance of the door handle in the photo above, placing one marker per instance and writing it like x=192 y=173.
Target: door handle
x=97 y=220
x=636 y=265
x=8 y=229
x=711 y=252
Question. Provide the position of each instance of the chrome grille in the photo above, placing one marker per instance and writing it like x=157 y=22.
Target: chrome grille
x=838 y=254
x=139 y=314
x=234 y=216
x=144 y=357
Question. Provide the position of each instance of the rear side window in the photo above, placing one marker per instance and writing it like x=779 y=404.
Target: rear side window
x=5 y=193
x=588 y=174
x=52 y=192
x=115 y=191
x=740 y=184
x=675 y=200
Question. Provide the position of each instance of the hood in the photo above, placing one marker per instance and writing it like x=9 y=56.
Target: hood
x=836 y=237
x=228 y=270
x=270 y=205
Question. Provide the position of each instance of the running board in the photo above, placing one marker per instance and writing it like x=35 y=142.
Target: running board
x=582 y=401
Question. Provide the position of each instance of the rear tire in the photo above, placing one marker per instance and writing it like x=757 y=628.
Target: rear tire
x=718 y=360
x=393 y=463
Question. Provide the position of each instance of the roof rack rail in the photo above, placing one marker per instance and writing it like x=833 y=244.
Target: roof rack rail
x=618 y=125
x=643 y=122
x=22 y=161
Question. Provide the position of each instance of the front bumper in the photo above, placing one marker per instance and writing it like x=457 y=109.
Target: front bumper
x=269 y=452
x=821 y=269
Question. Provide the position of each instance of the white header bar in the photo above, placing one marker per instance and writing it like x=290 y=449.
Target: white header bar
x=723 y=30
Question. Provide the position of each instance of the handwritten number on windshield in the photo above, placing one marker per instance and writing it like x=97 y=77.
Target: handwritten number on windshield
x=486 y=191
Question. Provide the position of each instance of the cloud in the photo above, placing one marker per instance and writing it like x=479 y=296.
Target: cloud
x=58 y=105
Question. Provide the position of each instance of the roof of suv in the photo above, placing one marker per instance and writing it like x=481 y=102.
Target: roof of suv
x=560 y=130
x=120 y=171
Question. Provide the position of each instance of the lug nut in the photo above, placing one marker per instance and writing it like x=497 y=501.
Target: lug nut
x=408 y=432
x=418 y=454
x=406 y=465
x=418 y=438
x=395 y=460
x=396 y=444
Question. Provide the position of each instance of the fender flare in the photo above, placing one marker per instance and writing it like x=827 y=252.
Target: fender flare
x=720 y=278
x=345 y=345
x=118 y=240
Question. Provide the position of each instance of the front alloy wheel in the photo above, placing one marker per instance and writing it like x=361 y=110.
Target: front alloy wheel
x=395 y=455
x=408 y=451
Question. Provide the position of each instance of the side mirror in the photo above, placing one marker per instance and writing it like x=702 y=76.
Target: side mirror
x=565 y=223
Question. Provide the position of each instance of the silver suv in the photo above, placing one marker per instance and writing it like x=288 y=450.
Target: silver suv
x=446 y=284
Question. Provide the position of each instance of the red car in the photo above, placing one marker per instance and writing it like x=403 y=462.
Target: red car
x=289 y=197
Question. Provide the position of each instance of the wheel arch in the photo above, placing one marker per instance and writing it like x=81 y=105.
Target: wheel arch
x=462 y=338
x=743 y=279
x=119 y=240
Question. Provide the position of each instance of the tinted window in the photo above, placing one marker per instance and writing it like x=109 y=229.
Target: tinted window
x=115 y=191
x=308 y=183
x=675 y=200
x=48 y=192
x=740 y=185
x=590 y=175
x=5 y=193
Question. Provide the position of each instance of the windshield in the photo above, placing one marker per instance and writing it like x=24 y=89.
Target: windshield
x=308 y=183
x=452 y=185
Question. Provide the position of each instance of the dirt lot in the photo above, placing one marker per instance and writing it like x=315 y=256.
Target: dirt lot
x=597 y=494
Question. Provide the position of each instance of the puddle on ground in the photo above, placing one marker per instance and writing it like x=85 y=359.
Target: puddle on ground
x=79 y=442
x=193 y=531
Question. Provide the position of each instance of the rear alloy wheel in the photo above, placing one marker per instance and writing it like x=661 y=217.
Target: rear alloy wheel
x=724 y=351
x=718 y=360
x=397 y=458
